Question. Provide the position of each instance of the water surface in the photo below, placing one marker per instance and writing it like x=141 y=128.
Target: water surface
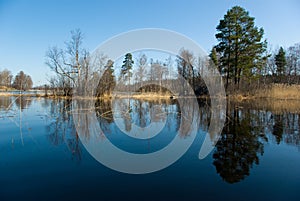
x=42 y=157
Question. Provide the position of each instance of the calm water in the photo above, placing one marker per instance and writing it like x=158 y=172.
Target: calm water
x=42 y=157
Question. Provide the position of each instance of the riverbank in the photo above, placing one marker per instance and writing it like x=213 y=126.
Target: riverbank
x=274 y=91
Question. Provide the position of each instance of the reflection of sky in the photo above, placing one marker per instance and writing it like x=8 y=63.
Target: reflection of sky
x=38 y=168
x=160 y=126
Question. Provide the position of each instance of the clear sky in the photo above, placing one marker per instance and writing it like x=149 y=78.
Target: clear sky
x=29 y=28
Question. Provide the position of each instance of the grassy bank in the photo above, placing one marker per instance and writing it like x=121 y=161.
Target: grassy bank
x=274 y=91
x=25 y=95
x=145 y=96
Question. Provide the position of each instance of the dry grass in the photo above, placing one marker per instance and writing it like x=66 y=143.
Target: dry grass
x=274 y=91
x=146 y=96
x=280 y=91
x=25 y=95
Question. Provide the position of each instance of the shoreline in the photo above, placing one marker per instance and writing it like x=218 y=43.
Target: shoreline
x=272 y=92
x=236 y=97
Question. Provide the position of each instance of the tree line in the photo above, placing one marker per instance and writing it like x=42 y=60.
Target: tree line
x=241 y=55
x=21 y=81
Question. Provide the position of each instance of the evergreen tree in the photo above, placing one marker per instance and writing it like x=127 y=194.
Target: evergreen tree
x=127 y=67
x=214 y=58
x=240 y=45
x=280 y=61
x=107 y=81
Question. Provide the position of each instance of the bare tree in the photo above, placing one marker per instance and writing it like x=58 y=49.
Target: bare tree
x=5 y=78
x=185 y=65
x=293 y=62
x=141 y=71
x=22 y=81
x=68 y=63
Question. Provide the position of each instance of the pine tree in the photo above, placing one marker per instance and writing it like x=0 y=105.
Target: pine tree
x=214 y=58
x=107 y=81
x=280 y=61
x=127 y=67
x=240 y=46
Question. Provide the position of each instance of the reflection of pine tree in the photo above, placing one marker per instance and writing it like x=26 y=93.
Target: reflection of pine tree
x=238 y=147
x=125 y=112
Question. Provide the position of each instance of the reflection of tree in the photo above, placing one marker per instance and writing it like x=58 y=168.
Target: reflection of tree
x=61 y=130
x=187 y=116
x=23 y=102
x=125 y=112
x=292 y=134
x=104 y=113
x=238 y=146
x=204 y=113
x=144 y=112
x=141 y=110
x=5 y=102
x=278 y=128
x=157 y=110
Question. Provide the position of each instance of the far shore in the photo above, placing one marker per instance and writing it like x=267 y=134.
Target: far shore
x=274 y=92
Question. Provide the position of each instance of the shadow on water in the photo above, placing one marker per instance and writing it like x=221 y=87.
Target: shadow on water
x=248 y=126
x=239 y=146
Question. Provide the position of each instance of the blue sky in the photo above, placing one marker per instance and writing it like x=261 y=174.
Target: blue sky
x=29 y=28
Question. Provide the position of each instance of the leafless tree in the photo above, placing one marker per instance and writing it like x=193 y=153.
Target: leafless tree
x=6 y=78
x=68 y=63
x=185 y=65
x=141 y=71
x=22 y=81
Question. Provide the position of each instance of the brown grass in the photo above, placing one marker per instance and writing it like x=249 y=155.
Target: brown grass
x=25 y=95
x=145 y=96
x=274 y=91
x=280 y=91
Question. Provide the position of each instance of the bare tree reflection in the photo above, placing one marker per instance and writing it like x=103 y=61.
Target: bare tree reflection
x=278 y=128
x=125 y=112
x=141 y=110
x=187 y=116
x=5 y=102
x=61 y=129
x=292 y=133
x=23 y=102
x=286 y=128
x=144 y=112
